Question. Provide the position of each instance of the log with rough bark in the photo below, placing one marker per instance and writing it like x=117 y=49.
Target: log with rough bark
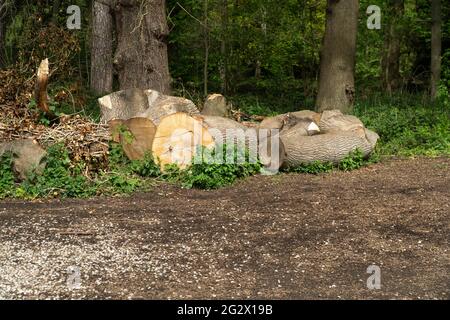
x=308 y=120
x=335 y=120
x=135 y=135
x=28 y=156
x=140 y=58
x=114 y=129
x=150 y=104
x=216 y=105
x=328 y=147
x=179 y=136
x=140 y=140
x=40 y=91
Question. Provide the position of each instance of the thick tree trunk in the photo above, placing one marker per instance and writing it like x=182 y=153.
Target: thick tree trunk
x=390 y=63
x=102 y=48
x=337 y=65
x=436 y=46
x=141 y=56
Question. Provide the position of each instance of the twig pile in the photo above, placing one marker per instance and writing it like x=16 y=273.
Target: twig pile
x=85 y=140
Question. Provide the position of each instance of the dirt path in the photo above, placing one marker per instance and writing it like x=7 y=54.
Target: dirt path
x=288 y=236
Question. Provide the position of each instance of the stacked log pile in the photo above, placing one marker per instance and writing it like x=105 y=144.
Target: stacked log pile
x=172 y=130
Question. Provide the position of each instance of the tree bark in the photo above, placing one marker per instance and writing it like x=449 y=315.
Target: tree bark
x=102 y=48
x=206 y=47
x=436 y=46
x=224 y=48
x=330 y=147
x=149 y=104
x=337 y=65
x=135 y=135
x=390 y=63
x=141 y=57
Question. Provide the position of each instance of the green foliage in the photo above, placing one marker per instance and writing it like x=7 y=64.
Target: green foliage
x=60 y=178
x=6 y=176
x=117 y=158
x=146 y=168
x=315 y=167
x=264 y=46
x=407 y=124
x=207 y=174
x=353 y=161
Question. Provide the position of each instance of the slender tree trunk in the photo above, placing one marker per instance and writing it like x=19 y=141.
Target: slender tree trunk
x=141 y=57
x=436 y=46
x=337 y=65
x=56 y=6
x=2 y=33
x=390 y=63
x=258 y=63
x=224 y=48
x=102 y=48
x=206 y=47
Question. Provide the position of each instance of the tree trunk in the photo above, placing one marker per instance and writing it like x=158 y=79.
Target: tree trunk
x=436 y=45
x=206 y=47
x=102 y=48
x=2 y=33
x=141 y=56
x=390 y=64
x=337 y=65
x=224 y=48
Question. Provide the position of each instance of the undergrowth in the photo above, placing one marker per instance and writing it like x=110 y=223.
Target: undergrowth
x=64 y=179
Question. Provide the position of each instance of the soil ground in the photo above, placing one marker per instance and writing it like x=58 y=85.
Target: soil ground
x=277 y=237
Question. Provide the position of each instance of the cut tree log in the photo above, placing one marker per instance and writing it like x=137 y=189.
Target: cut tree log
x=139 y=141
x=335 y=120
x=135 y=135
x=27 y=155
x=308 y=120
x=179 y=137
x=216 y=105
x=271 y=151
x=40 y=91
x=114 y=129
x=136 y=103
x=329 y=147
